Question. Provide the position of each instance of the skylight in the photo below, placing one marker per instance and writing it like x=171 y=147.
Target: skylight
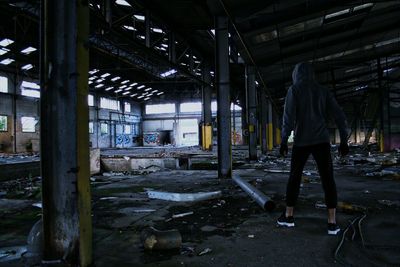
x=160 y=93
x=115 y=78
x=140 y=87
x=93 y=71
x=168 y=73
x=124 y=82
x=27 y=67
x=122 y=3
x=5 y=42
x=139 y=17
x=3 y=51
x=157 y=30
x=7 y=61
x=117 y=91
x=99 y=85
x=133 y=84
x=109 y=88
x=28 y=50
x=125 y=93
x=105 y=75
x=148 y=89
x=130 y=28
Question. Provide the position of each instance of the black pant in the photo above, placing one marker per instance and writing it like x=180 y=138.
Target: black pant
x=322 y=155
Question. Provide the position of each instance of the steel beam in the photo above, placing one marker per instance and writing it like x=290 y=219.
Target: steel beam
x=171 y=47
x=251 y=111
x=223 y=97
x=67 y=226
x=147 y=29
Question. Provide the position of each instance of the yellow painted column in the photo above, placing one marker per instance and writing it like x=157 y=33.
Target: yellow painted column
x=270 y=136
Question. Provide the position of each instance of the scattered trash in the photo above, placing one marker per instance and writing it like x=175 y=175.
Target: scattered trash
x=320 y=205
x=208 y=228
x=108 y=198
x=143 y=210
x=385 y=172
x=182 y=214
x=11 y=253
x=265 y=202
x=342 y=206
x=347 y=207
x=189 y=251
x=250 y=236
x=154 y=239
x=389 y=203
x=127 y=158
x=367 y=192
x=276 y=171
x=205 y=251
x=184 y=197
x=113 y=174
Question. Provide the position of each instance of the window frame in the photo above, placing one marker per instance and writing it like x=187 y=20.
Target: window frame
x=6 y=124
x=22 y=125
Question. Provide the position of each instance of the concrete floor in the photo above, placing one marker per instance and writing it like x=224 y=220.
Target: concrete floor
x=237 y=230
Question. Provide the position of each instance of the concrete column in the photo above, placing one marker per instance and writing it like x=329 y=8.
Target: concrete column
x=270 y=131
x=264 y=121
x=244 y=122
x=67 y=226
x=251 y=111
x=206 y=96
x=206 y=126
x=223 y=97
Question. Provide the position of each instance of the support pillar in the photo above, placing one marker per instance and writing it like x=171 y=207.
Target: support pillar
x=251 y=111
x=206 y=128
x=223 y=97
x=270 y=132
x=64 y=58
x=264 y=121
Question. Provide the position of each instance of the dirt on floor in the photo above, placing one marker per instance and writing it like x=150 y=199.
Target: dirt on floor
x=231 y=230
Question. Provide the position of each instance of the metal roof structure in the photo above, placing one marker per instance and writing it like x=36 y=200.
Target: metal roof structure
x=347 y=41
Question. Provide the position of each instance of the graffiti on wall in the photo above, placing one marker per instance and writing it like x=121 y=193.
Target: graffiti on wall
x=151 y=138
x=122 y=139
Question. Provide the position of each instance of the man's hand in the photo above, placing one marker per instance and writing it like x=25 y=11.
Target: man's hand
x=283 y=150
x=343 y=149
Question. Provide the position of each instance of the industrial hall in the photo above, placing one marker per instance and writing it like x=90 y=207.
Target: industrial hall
x=228 y=133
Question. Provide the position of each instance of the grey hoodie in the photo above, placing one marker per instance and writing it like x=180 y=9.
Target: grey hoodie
x=306 y=106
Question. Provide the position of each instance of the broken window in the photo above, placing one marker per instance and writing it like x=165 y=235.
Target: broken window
x=109 y=103
x=30 y=89
x=127 y=107
x=103 y=128
x=3 y=123
x=3 y=84
x=127 y=129
x=28 y=124
x=160 y=109
x=91 y=127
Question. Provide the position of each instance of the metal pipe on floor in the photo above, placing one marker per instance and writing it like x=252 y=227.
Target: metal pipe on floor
x=265 y=202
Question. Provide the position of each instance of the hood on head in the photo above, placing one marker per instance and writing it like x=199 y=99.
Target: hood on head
x=303 y=72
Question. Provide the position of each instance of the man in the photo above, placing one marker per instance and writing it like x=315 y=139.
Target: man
x=306 y=107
